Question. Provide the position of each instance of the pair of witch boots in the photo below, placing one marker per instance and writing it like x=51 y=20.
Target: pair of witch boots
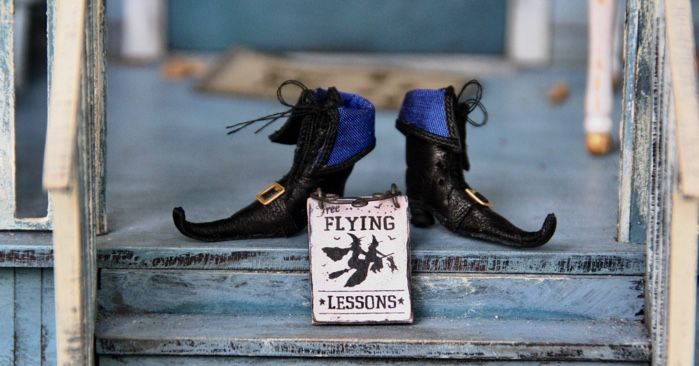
x=332 y=130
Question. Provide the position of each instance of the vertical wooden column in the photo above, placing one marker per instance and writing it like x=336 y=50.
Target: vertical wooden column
x=659 y=180
x=640 y=43
x=684 y=126
x=93 y=136
x=8 y=190
x=74 y=170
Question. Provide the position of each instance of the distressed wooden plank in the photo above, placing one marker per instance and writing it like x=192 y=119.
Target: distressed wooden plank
x=474 y=339
x=292 y=255
x=94 y=112
x=27 y=317
x=614 y=263
x=90 y=161
x=24 y=250
x=67 y=174
x=627 y=128
x=48 y=319
x=26 y=256
x=683 y=133
x=72 y=334
x=7 y=320
x=681 y=305
x=637 y=117
x=67 y=39
x=8 y=204
x=682 y=63
x=656 y=35
x=659 y=182
x=7 y=113
x=457 y=296
x=268 y=361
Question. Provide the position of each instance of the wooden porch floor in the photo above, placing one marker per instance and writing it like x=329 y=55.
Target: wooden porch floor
x=167 y=147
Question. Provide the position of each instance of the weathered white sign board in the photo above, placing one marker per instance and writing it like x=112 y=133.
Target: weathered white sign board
x=360 y=260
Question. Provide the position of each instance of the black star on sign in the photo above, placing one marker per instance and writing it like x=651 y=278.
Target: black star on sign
x=400 y=301
x=322 y=301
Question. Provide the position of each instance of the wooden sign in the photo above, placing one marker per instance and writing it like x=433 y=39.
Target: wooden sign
x=360 y=259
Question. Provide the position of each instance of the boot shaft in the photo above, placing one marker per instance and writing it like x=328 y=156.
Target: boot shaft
x=429 y=114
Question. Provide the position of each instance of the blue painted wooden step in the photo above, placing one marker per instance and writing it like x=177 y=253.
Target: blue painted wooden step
x=442 y=295
x=529 y=160
x=275 y=361
x=434 y=250
x=294 y=336
x=167 y=147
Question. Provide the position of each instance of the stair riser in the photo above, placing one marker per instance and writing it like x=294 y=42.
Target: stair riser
x=442 y=295
x=297 y=361
x=302 y=348
x=293 y=256
x=432 y=338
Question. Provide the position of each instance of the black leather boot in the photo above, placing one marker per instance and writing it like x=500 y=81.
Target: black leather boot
x=434 y=122
x=331 y=131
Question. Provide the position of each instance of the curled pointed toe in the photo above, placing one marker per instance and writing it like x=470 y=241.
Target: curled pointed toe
x=180 y=219
x=251 y=222
x=494 y=228
x=218 y=230
x=192 y=230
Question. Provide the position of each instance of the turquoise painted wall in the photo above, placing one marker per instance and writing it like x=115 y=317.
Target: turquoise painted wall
x=450 y=26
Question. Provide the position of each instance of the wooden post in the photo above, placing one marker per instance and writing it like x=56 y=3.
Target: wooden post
x=73 y=168
x=684 y=125
x=636 y=120
x=659 y=190
x=682 y=280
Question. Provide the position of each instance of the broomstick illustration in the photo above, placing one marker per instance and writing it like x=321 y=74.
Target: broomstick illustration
x=373 y=260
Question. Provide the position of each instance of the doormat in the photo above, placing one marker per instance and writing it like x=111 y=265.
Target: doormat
x=250 y=73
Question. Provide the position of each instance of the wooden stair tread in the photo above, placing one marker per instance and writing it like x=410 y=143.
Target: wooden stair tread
x=482 y=339
x=25 y=249
x=432 y=252
x=109 y=360
x=28 y=249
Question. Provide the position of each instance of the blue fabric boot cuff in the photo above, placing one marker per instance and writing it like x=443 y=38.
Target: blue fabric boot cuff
x=354 y=135
x=428 y=113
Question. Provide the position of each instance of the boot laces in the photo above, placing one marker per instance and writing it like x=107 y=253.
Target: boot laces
x=307 y=105
x=474 y=91
x=473 y=101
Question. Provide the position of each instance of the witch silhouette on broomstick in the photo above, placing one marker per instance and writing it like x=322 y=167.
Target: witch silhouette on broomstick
x=360 y=261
